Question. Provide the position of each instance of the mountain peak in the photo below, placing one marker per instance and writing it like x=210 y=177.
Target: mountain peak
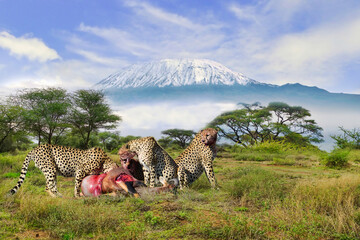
x=174 y=72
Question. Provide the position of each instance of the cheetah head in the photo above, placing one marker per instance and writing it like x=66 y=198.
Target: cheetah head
x=208 y=136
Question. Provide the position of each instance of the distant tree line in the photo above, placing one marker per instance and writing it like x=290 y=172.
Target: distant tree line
x=54 y=116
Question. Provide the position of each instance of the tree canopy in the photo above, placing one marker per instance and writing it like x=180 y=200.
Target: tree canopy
x=53 y=116
x=46 y=111
x=90 y=113
x=179 y=136
x=347 y=138
x=12 y=125
x=253 y=123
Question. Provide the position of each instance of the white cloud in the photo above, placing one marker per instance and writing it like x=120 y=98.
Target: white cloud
x=316 y=54
x=154 y=33
x=71 y=75
x=121 y=39
x=158 y=13
x=161 y=116
x=32 y=48
x=32 y=82
x=157 y=43
x=75 y=74
x=331 y=122
x=94 y=57
x=294 y=41
x=243 y=13
x=320 y=45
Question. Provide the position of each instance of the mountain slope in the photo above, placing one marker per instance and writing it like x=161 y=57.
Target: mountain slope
x=199 y=80
x=174 y=72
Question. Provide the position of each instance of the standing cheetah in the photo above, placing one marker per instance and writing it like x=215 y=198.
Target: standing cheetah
x=197 y=157
x=67 y=161
x=155 y=160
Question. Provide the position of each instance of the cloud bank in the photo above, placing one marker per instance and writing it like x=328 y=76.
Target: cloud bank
x=32 y=48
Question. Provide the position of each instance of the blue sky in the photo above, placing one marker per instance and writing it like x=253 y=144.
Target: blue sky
x=76 y=43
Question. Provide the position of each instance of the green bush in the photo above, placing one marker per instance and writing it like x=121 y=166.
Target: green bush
x=336 y=159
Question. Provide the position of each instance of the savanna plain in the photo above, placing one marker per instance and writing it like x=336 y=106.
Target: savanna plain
x=273 y=190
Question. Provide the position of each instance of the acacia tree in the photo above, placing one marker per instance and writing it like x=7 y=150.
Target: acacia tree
x=254 y=123
x=291 y=122
x=46 y=111
x=12 y=122
x=109 y=140
x=348 y=138
x=179 y=136
x=90 y=113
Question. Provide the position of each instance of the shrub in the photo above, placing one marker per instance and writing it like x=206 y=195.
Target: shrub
x=336 y=159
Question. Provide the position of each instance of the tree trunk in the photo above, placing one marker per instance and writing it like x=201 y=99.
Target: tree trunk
x=87 y=140
x=39 y=136
x=50 y=136
x=3 y=139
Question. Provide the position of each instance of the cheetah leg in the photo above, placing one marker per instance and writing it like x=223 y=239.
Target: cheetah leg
x=209 y=171
x=51 y=183
x=183 y=178
x=169 y=173
x=146 y=176
x=49 y=171
x=79 y=176
x=152 y=174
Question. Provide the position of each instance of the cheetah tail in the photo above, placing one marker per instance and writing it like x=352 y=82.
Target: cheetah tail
x=22 y=174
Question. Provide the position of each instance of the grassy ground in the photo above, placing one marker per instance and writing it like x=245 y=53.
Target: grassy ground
x=265 y=193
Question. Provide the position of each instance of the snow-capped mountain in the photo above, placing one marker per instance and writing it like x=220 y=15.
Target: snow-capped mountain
x=174 y=73
x=182 y=80
x=189 y=93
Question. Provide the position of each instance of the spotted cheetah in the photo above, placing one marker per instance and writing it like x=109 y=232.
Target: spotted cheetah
x=197 y=157
x=155 y=160
x=67 y=161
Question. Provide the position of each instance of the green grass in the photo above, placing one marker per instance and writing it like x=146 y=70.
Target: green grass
x=279 y=153
x=288 y=195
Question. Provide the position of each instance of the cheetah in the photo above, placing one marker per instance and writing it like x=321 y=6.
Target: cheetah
x=69 y=162
x=197 y=157
x=155 y=160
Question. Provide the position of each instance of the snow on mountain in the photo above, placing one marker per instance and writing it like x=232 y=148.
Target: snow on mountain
x=174 y=72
